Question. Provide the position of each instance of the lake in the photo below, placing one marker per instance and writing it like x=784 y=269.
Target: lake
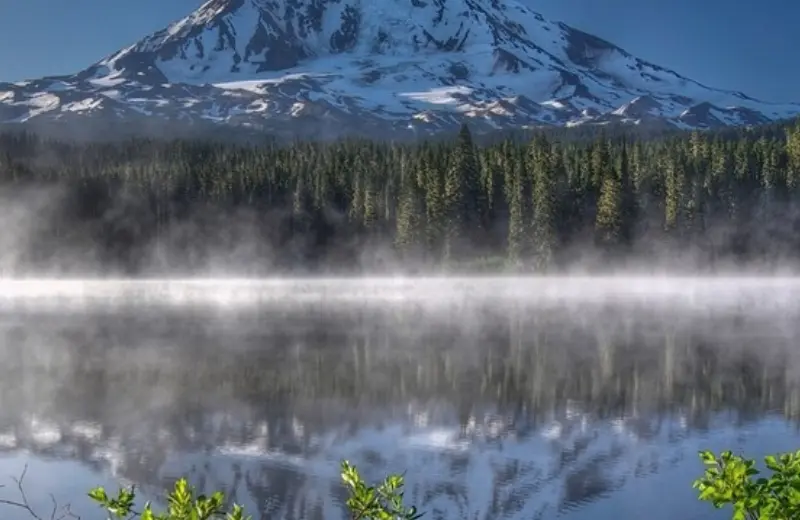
x=573 y=398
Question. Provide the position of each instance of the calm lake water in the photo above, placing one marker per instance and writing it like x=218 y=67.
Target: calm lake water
x=512 y=399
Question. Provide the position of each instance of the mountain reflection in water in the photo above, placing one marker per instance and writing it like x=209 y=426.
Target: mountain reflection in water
x=503 y=407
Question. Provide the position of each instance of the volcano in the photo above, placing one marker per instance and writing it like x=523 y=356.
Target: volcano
x=391 y=68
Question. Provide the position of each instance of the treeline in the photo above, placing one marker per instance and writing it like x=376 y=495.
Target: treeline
x=695 y=200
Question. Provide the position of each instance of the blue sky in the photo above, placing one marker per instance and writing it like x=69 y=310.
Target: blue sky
x=747 y=45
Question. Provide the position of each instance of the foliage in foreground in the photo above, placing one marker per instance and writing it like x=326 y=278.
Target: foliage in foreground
x=365 y=502
x=733 y=480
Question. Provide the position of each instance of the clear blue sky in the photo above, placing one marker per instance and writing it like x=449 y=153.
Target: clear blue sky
x=747 y=45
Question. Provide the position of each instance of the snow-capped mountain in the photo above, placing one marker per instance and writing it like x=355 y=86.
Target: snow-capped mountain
x=324 y=68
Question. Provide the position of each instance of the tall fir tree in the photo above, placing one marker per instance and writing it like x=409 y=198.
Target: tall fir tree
x=408 y=234
x=545 y=165
x=793 y=157
x=434 y=208
x=629 y=207
x=463 y=195
x=608 y=220
x=609 y=212
x=515 y=197
x=675 y=183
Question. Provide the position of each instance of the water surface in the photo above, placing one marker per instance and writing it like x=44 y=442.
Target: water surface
x=571 y=398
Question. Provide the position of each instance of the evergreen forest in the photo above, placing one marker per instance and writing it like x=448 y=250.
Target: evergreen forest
x=607 y=201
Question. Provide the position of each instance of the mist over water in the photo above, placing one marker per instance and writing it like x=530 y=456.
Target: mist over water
x=515 y=398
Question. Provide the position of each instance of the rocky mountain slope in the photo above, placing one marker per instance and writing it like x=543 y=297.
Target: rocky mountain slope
x=323 y=68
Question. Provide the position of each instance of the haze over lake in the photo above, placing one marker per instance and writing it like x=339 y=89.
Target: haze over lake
x=512 y=398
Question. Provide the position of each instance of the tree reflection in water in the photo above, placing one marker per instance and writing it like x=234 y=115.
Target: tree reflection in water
x=495 y=411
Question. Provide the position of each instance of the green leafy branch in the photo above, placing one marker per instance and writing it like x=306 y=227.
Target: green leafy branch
x=382 y=502
x=365 y=502
x=731 y=480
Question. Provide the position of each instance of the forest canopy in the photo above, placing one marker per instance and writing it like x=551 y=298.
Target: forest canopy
x=693 y=201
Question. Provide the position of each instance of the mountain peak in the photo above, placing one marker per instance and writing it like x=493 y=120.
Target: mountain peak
x=228 y=37
x=389 y=66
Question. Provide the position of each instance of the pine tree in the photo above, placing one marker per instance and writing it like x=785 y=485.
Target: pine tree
x=629 y=208
x=434 y=208
x=544 y=166
x=675 y=178
x=609 y=211
x=516 y=217
x=371 y=196
x=793 y=157
x=608 y=220
x=357 y=198
x=408 y=222
x=462 y=197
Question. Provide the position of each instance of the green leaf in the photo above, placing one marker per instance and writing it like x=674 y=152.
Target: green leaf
x=99 y=494
x=707 y=457
x=772 y=462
